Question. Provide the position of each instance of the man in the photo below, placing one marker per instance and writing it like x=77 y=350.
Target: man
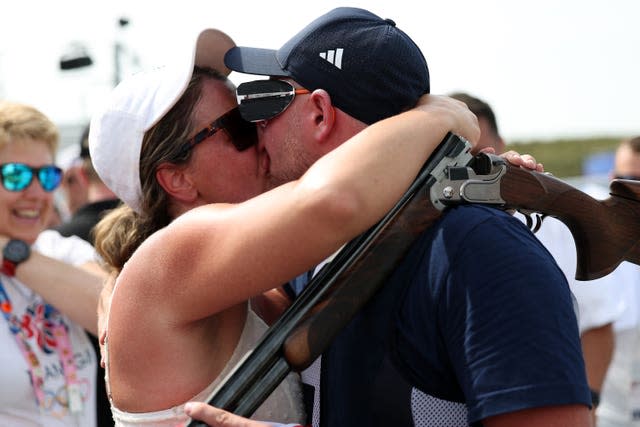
x=466 y=330
x=489 y=134
x=598 y=304
x=89 y=198
x=620 y=399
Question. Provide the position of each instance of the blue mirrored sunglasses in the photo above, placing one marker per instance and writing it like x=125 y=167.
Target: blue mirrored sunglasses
x=18 y=176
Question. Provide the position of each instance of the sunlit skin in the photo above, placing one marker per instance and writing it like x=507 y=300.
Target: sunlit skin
x=627 y=161
x=221 y=173
x=284 y=143
x=25 y=214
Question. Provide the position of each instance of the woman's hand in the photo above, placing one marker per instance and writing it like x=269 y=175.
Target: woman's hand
x=523 y=160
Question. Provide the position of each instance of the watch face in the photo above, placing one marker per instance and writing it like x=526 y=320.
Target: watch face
x=16 y=251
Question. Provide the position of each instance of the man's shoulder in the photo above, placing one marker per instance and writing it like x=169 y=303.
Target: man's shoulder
x=471 y=218
x=476 y=227
x=474 y=212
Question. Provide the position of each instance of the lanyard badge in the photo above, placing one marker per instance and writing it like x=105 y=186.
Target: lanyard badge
x=62 y=346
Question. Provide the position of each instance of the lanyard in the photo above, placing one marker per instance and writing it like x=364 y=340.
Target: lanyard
x=61 y=342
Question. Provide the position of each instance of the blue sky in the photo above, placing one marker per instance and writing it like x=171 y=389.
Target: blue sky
x=549 y=68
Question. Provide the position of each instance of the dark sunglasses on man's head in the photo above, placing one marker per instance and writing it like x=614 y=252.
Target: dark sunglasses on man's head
x=264 y=99
x=242 y=133
x=18 y=176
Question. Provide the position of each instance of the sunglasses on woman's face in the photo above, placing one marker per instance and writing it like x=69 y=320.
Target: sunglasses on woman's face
x=264 y=99
x=18 y=176
x=242 y=133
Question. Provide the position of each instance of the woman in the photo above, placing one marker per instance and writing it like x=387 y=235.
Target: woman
x=179 y=317
x=47 y=364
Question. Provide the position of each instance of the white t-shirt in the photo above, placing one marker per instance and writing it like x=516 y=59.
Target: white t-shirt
x=600 y=301
x=18 y=406
x=613 y=298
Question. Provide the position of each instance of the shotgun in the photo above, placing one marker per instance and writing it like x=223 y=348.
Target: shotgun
x=606 y=233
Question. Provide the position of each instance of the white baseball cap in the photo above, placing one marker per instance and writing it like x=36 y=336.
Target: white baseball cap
x=137 y=104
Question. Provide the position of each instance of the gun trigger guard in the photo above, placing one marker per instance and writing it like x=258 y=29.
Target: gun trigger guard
x=539 y=218
x=533 y=219
x=528 y=219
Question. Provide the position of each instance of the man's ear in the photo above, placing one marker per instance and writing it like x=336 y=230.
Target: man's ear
x=175 y=180
x=324 y=114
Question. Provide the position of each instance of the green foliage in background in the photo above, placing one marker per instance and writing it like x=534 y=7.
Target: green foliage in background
x=564 y=157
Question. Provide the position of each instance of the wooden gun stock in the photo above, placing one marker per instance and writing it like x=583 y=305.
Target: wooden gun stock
x=606 y=232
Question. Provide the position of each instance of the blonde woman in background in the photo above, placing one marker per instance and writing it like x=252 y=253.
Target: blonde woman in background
x=49 y=286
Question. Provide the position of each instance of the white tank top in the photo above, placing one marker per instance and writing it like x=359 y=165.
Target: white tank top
x=284 y=404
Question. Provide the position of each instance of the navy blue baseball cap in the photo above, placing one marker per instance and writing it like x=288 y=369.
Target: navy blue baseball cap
x=370 y=67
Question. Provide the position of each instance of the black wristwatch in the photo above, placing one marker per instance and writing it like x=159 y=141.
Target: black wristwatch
x=14 y=252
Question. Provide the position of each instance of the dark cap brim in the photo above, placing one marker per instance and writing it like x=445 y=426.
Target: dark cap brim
x=251 y=60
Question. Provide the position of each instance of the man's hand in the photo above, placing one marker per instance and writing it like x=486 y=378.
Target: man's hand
x=219 y=418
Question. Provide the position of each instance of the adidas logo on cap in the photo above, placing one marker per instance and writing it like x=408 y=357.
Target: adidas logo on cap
x=333 y=57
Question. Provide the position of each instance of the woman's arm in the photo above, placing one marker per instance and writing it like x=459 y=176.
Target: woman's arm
x=74 y=291
x=213 y=257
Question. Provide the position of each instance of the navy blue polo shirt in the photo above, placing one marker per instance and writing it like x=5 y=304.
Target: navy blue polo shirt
x=476 y=321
